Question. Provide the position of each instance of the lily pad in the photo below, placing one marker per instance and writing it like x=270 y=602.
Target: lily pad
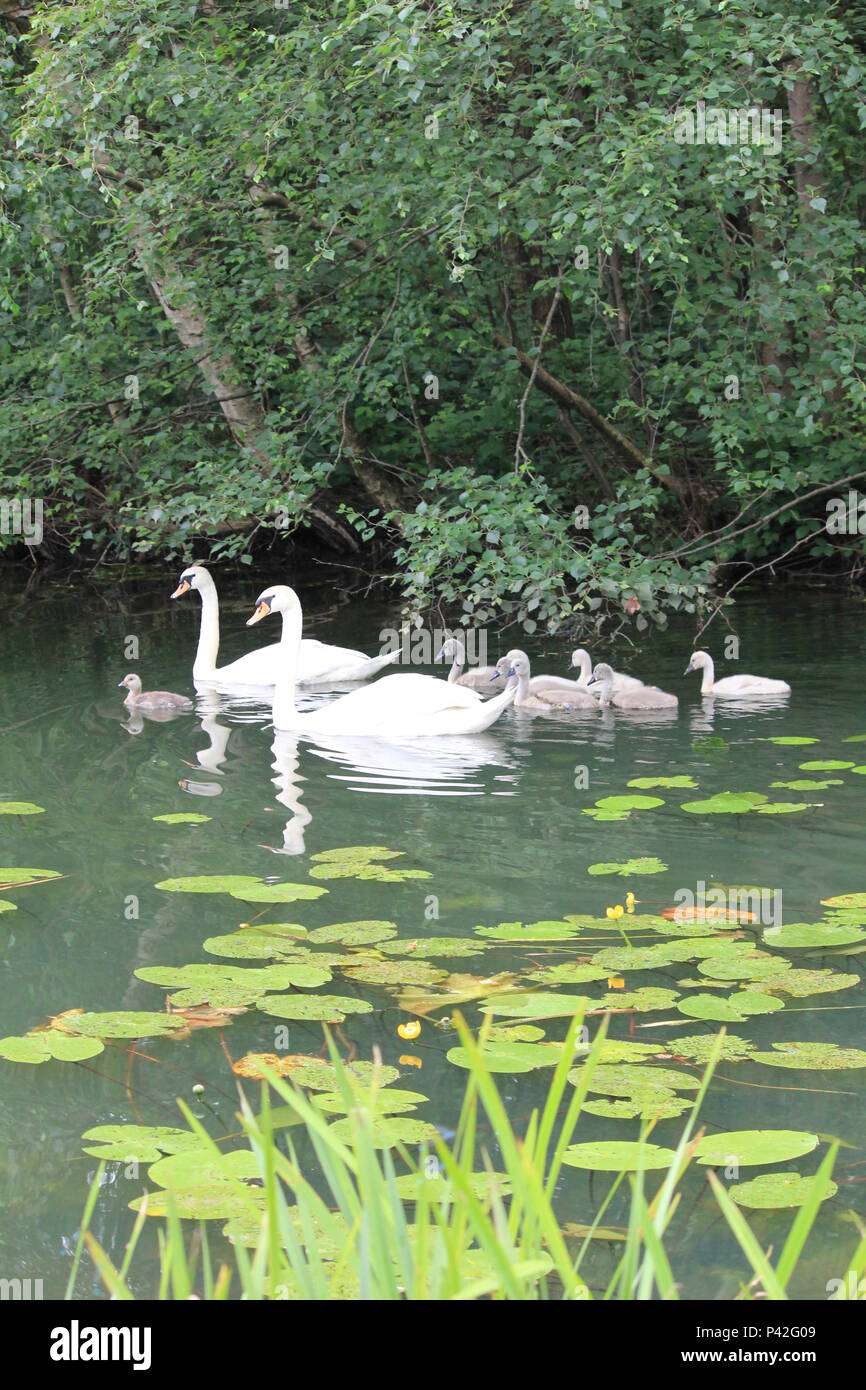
x=243 y=886
x=19 y=878
x=725 y=804
x=782 y=808
x=510 y=1056
x=699 y=1047
x=182 y=818
x=532 y=931
x=803 y=983
x=621 y=803
x=617 y=1156
x=221 y=1202
x=121 y=1024
x=388 y=1100
x=208 y=883
x=412 y=1186
x=252 y=944
x=632 y=1078
x=645 y=865
x=852 y=900
x=20 y=808
x=682 y=780
x=773 y=1191
x=660 y=1106
x=801 y=934
x=363 y=862
x=825 y=765
x=46 y=1045
x=199 y=1170
x=313 y=1072
x=645 y=1000
x=535 y=1005
x=386 y=1131
x=354 y=933
x=139 y=1143
x=791 y=740
x=810 y=1056
x=420 y=946
x=329 y=1008
x=750 y=1147
x=806 y=784
x=734 y=1009
x=223 y=985
x=742 y=965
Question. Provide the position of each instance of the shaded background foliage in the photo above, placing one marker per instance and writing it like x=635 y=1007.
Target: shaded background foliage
x=264 y=268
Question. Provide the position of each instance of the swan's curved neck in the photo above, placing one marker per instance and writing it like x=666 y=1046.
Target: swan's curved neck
x=522 y=688
x=709 y=677
x=458 y=663
x=209 y=633
x=606 y=692
x=585 y=664
x=284 y=712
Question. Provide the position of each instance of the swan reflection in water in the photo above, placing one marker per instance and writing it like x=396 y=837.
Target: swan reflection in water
x=419 y=766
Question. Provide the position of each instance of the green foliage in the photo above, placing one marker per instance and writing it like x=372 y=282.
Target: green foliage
x=237 y=243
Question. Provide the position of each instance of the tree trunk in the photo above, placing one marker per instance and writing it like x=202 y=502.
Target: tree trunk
x=565 y=396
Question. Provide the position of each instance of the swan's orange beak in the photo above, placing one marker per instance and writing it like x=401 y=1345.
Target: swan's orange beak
x=262 y=611
x=182 y=588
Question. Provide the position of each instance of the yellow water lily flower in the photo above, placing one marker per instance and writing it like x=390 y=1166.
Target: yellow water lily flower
x=629 y=902
x=407 y=1060
x=409 y=1030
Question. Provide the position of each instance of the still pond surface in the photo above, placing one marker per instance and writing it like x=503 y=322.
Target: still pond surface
x=498 y=822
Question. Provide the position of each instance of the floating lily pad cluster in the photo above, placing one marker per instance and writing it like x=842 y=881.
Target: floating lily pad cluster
x=365 y=862
x=577 y=963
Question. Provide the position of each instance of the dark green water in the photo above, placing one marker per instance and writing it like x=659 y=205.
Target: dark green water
x=496 y=820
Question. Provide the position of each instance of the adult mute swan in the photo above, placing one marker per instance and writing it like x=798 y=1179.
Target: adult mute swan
x=534 y=694
x=733 y=685
x=395 y=707
x=318 y=664
x=583 y=660
x=151 y=699
x=481 y=678
x=644 y=697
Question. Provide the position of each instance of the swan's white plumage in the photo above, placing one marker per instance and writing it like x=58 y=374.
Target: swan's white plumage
x=542 y=694
x=319 y=663
x=645 y=697
x=582 y=659
x=395 y=707
x=733 y=686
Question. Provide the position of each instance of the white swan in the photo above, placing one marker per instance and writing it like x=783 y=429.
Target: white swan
x=733 y=685
x=583 y=660
x=534 y=692
x=319 y=663
x=395 y=707
x=645 y=697
x=481 y=678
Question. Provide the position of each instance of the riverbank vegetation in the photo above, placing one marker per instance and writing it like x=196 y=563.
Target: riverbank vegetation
x=476 y=296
